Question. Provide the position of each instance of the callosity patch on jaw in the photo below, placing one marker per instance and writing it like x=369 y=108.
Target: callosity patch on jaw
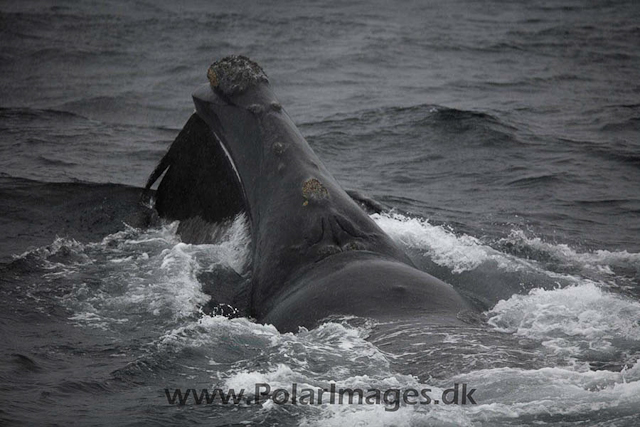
x=312 y=189
x=235 y=74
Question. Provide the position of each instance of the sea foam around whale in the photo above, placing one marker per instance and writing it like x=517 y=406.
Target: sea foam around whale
x=144 y=286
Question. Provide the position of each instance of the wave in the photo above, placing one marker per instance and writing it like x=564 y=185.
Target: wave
x=419 y=123
x=67 y=54
x=22 y=113
x=56 y=162
x=534 y=247
x=489 y=270
x=533 y=181
x=459 y=253
x=526 y=84
x=462 y=252
x=174 y=291
x=581 y=320
x=632 y=125
x=34 y=212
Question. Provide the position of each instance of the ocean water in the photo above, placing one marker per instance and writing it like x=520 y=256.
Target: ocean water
x=502 y=138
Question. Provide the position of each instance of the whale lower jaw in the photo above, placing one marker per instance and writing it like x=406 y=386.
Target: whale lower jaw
x=200 y=178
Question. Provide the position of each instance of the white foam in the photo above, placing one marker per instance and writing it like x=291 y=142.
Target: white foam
x=563 y=252
x=208 y=330
x=459 y=253
x=142 y=272
x=571 y=320
x=502 y=395
x=235 y=244
x=510 y=392
x=145 y=271
x=64 y=247
x=378 y=416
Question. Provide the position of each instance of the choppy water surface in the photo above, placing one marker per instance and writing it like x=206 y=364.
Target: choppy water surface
x=502 y=137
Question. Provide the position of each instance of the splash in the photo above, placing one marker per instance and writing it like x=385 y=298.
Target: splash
x=459 y=253
x=571 y=321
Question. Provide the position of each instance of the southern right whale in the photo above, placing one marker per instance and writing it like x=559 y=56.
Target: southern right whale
x=315 y=252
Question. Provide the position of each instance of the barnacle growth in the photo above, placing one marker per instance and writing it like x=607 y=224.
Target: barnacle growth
x=234 y=74
x=312 y=189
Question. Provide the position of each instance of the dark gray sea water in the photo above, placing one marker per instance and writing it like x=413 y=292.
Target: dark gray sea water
x=502 y=136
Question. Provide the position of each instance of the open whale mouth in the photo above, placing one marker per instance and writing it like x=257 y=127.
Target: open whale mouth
x=201 y=178
x=215 y=129
x=240 y=151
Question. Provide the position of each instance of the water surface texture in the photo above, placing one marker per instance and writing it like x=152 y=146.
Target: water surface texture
x=503 y=137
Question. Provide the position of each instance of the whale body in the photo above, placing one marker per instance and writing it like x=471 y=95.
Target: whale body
x=315 y=251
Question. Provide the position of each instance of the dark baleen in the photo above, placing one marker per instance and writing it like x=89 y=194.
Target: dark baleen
x=315 y=251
